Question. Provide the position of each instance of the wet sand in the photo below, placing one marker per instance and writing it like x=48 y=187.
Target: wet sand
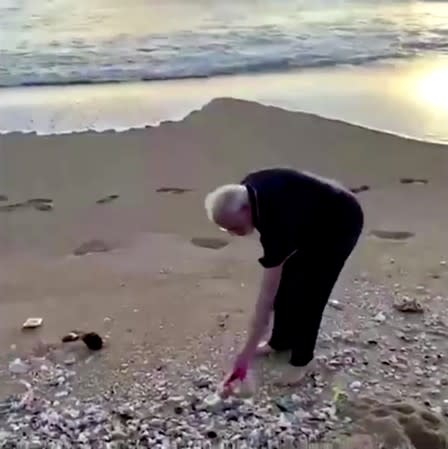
x=147 y=286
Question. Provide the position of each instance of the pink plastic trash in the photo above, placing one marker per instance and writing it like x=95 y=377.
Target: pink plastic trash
x=238 y=374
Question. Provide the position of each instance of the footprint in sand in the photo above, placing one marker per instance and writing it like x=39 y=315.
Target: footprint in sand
x=414 y=181
x=174 y=190
x=3 y=198
x=392 y=235
x=92 y=246
x=13 y=207
x=107 y=199
x=42 y=204
x=209 y=243
x=359 y=189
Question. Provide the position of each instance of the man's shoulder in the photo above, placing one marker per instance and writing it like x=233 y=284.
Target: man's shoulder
x=301 y=179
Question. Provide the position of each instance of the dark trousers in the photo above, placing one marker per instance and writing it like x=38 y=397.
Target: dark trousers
x=307 y=281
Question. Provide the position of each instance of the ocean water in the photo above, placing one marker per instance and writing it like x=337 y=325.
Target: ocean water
x=46 y=42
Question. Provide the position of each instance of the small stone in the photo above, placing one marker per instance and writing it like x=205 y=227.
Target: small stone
x=18 y=367
x=178 y=410
x=213 y=401
x=117 y=435
x=212 y=434
x=336 y=304
x=202 y=382
x=286 y=405
x=418 y=371
x=93 y=341
x=356 y=385
x=70 y=360
x=379 y=317
x=72 y=413
x=408 y=305
x=222 y=320
x=283 y=422
x=156 y=422
x=233 y=415
x=443 y=263
x=61 y=394
x=176 y=399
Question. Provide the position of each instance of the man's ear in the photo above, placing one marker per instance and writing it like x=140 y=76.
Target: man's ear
x=245 y=208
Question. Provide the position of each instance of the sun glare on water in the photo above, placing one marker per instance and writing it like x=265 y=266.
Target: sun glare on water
x=432 y=87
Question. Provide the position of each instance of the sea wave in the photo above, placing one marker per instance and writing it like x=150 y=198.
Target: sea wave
x=195 y=69
x=46 y=46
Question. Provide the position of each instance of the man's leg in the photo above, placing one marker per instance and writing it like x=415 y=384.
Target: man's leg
x=319 y=277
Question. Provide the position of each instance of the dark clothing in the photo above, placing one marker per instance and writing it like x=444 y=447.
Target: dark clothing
x=313 y=226
x=292 y=209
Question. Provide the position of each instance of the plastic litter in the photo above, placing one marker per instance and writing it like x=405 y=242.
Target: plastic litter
x=32 y=323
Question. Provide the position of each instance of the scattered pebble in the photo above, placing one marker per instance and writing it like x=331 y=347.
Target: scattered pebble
x=17 y=366
x=180 y=405
x=379 y=317
x=409 y=305
x=336 y=304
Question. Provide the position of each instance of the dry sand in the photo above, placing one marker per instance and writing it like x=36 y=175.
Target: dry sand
x=154 y=295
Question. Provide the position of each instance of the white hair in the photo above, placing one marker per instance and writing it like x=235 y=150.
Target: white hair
x=225 y=199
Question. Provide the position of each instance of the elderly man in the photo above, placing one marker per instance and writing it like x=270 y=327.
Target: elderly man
x=308 y=227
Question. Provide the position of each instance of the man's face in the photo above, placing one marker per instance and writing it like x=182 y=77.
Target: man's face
x=238 y=223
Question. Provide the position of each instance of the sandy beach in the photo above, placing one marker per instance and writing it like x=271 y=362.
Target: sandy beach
x=168 y=305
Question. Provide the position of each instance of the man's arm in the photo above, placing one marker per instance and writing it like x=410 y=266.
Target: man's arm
x=263 y=308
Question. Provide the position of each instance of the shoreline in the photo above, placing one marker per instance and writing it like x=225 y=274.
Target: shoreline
x=147 y=127
x=347 y=94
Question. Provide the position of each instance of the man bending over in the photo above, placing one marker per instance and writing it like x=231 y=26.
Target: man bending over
x=308 y=227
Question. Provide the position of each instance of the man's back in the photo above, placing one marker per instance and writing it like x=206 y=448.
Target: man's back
x=299 y=196
x=292 y=209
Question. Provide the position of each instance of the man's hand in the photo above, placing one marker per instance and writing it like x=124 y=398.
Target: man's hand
x=240 y=368
x=260 y=320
